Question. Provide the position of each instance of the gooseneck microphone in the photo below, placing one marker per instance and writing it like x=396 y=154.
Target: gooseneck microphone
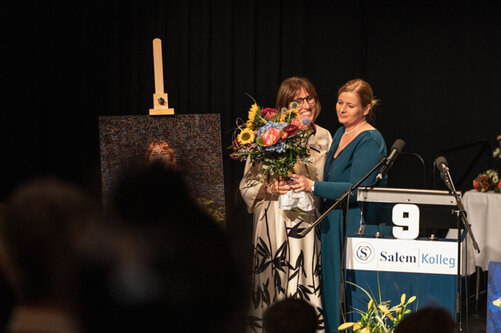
x=396 y=149
x=441 y=163
x=443 y=167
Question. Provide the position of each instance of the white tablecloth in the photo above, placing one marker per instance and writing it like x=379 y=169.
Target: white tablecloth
x=484 y=215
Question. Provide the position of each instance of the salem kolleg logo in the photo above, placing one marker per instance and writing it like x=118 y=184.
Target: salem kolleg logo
x=364 y=253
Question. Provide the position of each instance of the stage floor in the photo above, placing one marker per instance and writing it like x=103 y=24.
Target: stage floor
x=477 y=313
x=476 y=321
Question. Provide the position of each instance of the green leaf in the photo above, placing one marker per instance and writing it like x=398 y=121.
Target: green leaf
x=251 y=98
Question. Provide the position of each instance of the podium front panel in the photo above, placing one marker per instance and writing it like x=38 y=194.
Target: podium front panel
x=387 y=268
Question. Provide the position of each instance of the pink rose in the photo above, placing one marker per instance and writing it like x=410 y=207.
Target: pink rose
x=270 y=137
x=268 y=113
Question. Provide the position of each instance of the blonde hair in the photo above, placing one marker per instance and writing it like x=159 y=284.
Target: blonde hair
x=290 y=87
x=364 y=92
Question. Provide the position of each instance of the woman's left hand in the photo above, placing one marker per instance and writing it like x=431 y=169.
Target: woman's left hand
x=300 y=183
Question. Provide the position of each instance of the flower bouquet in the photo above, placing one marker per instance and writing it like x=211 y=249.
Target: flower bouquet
x=487 y=181
x=277 y=140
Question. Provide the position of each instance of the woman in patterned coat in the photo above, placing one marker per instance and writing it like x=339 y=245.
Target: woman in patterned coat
x=284 y=266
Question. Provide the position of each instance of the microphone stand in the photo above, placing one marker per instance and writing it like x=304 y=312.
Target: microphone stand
x=345 y=197
x=462 y=222
x=462 y=211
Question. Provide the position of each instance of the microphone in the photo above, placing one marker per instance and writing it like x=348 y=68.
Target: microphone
x=443 y=167
x=396 y=149
x=441 y=164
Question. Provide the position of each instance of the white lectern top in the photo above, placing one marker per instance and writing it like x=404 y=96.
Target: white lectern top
x=404 y=195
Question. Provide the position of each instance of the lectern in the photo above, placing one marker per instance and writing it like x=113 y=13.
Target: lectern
x=388 y=267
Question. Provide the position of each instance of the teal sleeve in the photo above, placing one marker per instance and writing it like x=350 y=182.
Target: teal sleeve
x=367 y=154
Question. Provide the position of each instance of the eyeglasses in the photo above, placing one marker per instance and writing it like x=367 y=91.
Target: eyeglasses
x=300 y=101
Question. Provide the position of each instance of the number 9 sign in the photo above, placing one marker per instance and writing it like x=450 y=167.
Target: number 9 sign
x=406 y=217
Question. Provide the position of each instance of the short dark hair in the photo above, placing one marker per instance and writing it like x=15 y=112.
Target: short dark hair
x=430 y=319
x=290 y=315
x=43 y=219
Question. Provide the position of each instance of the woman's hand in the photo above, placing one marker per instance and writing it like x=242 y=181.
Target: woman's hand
x=299 y=183
x=278 y=186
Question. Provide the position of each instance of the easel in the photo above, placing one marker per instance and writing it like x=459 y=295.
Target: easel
x=160 y=99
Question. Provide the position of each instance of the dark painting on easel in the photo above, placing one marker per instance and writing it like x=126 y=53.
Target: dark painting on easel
x=191 y=142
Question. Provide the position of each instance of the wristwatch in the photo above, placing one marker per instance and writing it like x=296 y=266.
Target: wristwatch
x=313 y=187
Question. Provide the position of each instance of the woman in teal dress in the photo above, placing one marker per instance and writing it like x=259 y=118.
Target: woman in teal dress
x=356 y=148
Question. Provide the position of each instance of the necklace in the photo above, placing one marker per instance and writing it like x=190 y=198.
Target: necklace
x=354 y=128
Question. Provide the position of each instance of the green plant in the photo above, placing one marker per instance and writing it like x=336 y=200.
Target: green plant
x=379 y=317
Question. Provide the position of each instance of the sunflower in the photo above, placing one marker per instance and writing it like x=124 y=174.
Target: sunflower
x=285 y=115
x=246 y=136
x=252 y=115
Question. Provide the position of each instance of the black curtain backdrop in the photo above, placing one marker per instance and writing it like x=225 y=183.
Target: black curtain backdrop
x=434 y=66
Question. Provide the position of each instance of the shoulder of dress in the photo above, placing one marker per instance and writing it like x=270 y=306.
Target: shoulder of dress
x=322 y=132
x=321 y=140
x=375 y=135
x=369 y=134
x=372 y=138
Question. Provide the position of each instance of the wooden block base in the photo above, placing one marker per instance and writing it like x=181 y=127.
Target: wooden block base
x=161 y=112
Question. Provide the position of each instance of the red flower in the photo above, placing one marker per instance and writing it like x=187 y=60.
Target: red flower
x=290 y=129
x=482 y=183
x=486 y=184
x=499 y=184
x=270 y=137
x=268 y=113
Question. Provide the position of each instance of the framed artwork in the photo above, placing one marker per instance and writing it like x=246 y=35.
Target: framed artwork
x=189 y=142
